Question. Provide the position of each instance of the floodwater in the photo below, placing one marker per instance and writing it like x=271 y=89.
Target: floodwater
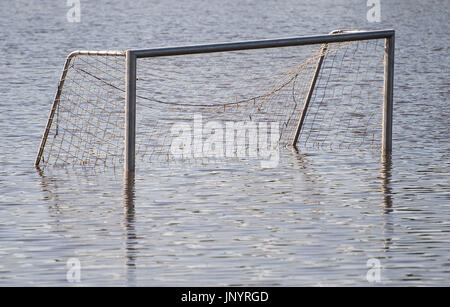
x=317 y=219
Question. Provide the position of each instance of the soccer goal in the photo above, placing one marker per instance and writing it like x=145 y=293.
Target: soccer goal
x=327 y=92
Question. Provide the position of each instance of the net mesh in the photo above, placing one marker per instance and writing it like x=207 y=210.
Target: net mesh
x=264 y=85
x=345 y=112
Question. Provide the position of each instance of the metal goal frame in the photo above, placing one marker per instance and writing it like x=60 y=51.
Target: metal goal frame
x=132 y=55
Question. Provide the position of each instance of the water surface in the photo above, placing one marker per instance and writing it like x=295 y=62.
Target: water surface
x=316 y=219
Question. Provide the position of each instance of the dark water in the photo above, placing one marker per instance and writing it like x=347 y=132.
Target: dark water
x=316 y=219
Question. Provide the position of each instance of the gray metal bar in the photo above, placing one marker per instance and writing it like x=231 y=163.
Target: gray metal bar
x=53 y=110
x=308 y=97
x=130 y=112
x=388 y=94
x=98 y=52
x=274 y=43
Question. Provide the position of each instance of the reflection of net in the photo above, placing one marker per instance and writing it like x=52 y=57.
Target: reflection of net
x=264 y=85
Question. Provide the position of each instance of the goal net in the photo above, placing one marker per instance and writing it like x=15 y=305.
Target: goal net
x=323 y=96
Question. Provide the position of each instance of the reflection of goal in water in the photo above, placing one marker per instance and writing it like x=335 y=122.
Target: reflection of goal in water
x=328 y=92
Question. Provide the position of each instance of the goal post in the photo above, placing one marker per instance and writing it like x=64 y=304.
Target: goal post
x=105 y=95
x=388 y=95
